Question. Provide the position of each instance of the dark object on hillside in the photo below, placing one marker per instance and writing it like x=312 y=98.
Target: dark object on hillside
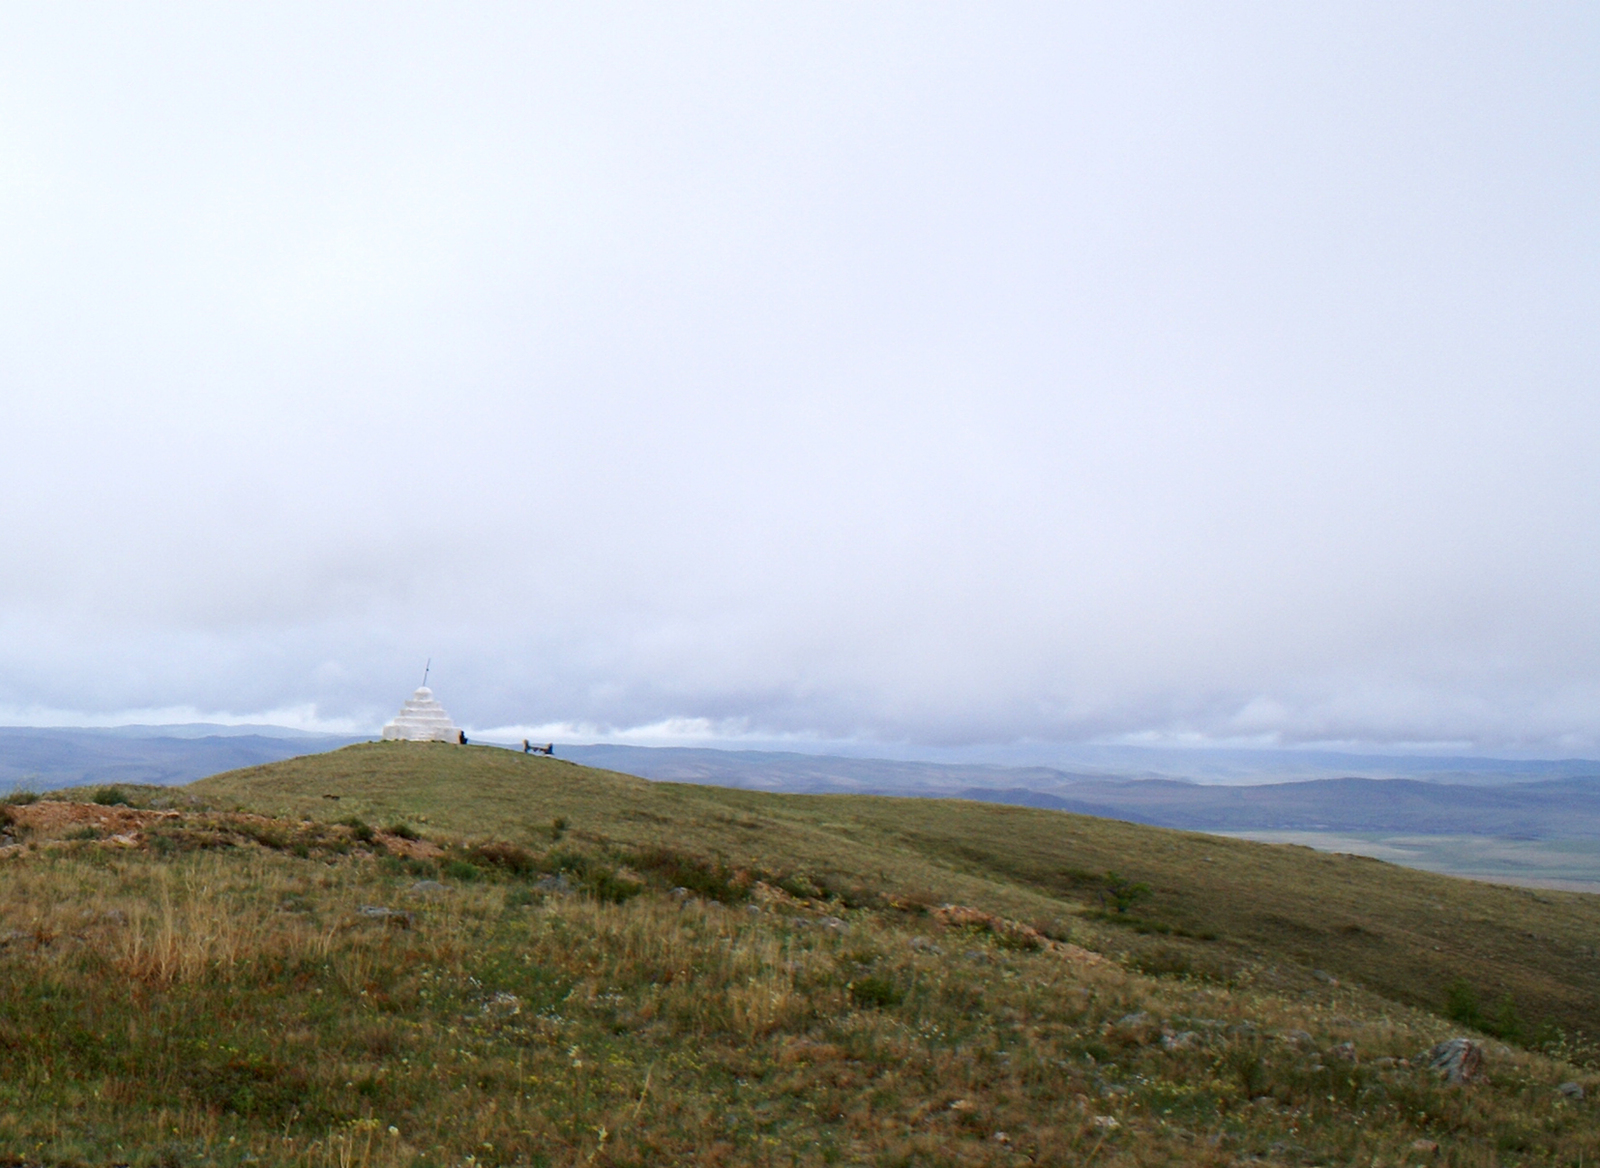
x=530 y=748
x=1460 y=1060
x=1571 y=1090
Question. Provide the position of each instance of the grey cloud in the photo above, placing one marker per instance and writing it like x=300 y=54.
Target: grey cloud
x=944 y=375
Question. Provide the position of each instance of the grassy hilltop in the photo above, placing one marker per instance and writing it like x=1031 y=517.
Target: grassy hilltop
x=1406 y=934
x=406 y=954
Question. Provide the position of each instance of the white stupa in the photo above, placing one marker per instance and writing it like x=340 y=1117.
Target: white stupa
x=422 y=719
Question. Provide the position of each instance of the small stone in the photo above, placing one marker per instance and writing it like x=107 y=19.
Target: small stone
x=1426 y=1147
x=1001 y=1138
x=1106 y=1122
x=392 y=916
x=833 y=923
x=1344 y=1052
x=1295 y=1037
x=1183 y=1040
x=1571 y=1090
x=427 y=888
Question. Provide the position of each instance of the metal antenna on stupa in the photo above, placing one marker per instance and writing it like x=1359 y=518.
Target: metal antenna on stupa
x=425 y=669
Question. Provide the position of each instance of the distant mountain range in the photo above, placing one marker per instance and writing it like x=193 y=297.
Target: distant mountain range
x=1527 y=807
x=1509 y=799
x=48 y=758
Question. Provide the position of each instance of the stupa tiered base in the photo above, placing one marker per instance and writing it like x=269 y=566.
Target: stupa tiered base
x=422 y=719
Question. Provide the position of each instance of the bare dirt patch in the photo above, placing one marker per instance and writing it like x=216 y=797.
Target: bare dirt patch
x=57 y=822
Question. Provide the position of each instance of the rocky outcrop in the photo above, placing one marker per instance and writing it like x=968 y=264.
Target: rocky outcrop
x=1459 y=1060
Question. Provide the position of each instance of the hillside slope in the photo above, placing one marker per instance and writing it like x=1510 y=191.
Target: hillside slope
x=430 y=956
x=1213 y=902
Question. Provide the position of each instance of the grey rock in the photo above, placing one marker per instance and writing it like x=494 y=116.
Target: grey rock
x=1459 y=1060
x=1295 y=1037
x=557 y=883
x=391 y=916
x=427 y=888
x=1344 y=1052
x=923 y=945
x=1183 y=1040
x=1571 y=1090
x=833 y=923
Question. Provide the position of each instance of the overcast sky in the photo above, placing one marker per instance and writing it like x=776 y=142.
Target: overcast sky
x=937 y=374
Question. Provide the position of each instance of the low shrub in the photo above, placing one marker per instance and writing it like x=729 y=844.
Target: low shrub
x=506 y=857
x=875 y=993
x=800 y=886
x=1503 y=1021
x=112 y=796
x=359 y=828
x=268 y=836
x=610 y=887
x=403 y=831
x=671 y=869
x=21 y=797
x=1123 y=892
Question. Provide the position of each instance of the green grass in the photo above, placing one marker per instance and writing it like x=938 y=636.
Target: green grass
x=1405 y=934
x=686 y=975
